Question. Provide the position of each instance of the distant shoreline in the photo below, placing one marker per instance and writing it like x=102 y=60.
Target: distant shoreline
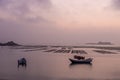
x=10 y=43
x=100 y=43
x=108 y=47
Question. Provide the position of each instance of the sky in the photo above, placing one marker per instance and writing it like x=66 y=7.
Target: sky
x=60 y=22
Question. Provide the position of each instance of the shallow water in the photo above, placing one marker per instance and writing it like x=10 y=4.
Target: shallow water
x=56 y=66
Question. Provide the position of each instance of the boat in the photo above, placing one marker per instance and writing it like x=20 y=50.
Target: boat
x=81 y=61
x=22 y=62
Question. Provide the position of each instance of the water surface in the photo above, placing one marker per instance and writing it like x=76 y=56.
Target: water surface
x=56 y=66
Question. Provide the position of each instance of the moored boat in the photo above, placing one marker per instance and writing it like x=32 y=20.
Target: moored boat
x=81 y=61
x=22 y=62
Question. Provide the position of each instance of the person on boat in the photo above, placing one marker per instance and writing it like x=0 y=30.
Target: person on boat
x=79 y=57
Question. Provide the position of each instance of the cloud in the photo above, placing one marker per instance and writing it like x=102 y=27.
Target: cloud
x=24 y=9
x=17 y=3
x=116 y=4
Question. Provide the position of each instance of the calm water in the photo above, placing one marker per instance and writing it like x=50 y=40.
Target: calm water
x=54 y=66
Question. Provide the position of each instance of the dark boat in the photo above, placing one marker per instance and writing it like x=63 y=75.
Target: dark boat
x=81 y=61
x=22 y=62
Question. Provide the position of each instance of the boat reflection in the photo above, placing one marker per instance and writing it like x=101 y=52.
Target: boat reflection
x=72 y=65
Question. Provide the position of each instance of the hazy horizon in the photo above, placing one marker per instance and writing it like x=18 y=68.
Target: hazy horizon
x=59 y=21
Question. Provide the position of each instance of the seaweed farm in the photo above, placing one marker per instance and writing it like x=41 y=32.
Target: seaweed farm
x=69 y=49
x=79 y=51
x=62 y=51
x=104 y=52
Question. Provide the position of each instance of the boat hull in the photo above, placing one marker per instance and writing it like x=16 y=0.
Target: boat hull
x=85 y=61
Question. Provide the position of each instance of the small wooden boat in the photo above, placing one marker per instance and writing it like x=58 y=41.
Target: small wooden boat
x=22 y=62
x=81 y=61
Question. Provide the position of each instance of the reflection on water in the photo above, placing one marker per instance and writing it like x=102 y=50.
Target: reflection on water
x=50 y=66
x=72 y=65
x=81 y=67
x=22 y=68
